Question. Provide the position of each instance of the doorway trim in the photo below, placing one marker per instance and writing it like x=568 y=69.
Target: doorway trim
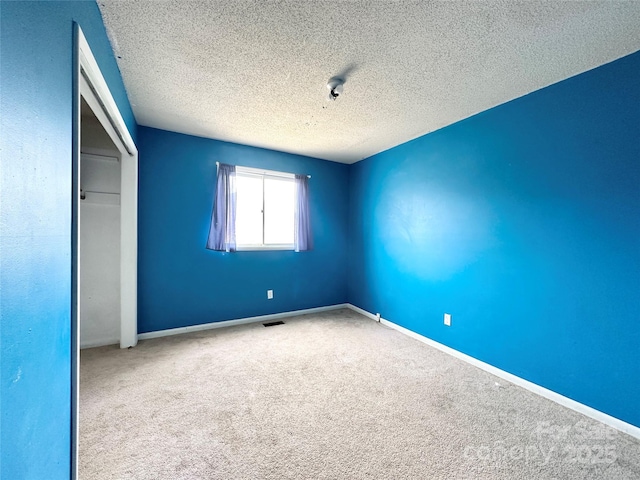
x=93 y=88
x=89 y=83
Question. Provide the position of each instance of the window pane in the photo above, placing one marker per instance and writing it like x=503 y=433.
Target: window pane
x=279 y=195
x=249 y=210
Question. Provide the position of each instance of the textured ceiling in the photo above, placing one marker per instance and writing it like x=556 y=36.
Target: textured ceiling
x=255 y=72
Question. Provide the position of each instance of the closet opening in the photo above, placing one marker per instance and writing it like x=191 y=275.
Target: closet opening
x=99 y=216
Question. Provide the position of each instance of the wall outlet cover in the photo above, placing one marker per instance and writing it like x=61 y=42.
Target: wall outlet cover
x=269 y=294
x=447 y=319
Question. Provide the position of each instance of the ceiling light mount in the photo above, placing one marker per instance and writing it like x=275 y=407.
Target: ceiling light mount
x=335 y=87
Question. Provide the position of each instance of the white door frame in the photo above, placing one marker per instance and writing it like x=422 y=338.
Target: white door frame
x=89 y=83
x=95 y=92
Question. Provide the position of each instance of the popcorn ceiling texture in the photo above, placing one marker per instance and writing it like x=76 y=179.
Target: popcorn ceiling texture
x=333 y=396
x=255 y=72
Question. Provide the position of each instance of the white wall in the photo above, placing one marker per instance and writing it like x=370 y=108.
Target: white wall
x=99 y=250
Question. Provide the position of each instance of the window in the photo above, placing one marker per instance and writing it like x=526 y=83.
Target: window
x=259 y=210
x=265 y=209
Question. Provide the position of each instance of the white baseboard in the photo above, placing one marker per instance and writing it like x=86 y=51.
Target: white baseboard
x=613 y=422
x=239 y=321
x=363 y=312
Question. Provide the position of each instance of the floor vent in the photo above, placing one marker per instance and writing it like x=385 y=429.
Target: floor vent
x=271 y=324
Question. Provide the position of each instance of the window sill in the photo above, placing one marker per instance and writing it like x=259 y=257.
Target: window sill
x=251 y=248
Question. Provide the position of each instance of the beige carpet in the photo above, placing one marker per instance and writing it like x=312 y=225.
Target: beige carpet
x=329 y=396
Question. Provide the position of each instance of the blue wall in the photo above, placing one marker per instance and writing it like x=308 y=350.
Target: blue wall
x=181 y=283
x=36 y=44
x=523 y=222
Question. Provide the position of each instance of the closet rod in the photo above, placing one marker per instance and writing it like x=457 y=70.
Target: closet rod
x=83 y=193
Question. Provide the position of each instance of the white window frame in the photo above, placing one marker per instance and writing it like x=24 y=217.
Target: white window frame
x=258 y=172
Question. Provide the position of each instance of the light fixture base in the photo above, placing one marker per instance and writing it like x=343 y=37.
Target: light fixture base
x=335 y=87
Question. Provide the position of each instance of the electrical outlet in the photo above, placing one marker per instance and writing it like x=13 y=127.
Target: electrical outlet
x=447 y=319
x=269 y=294
x=378 y=317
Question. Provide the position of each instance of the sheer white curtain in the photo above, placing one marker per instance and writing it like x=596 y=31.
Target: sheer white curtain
x=302 y=232
x=222 y=232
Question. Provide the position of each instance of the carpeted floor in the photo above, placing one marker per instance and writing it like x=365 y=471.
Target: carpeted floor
x=332 y=395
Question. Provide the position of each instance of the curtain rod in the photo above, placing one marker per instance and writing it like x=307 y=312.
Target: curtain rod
x=218 y=164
